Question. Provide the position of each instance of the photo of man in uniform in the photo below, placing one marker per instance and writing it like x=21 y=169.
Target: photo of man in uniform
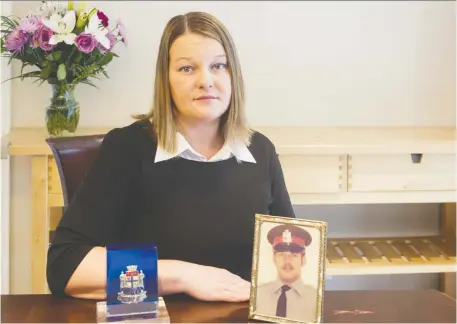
x=288 y=296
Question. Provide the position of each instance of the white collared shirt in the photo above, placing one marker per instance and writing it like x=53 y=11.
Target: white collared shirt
x=186 y=151
x=301 y=300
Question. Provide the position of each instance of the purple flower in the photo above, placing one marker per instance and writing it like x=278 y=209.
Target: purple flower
x=103 y=18
x=122 y=31
x=112 y=42
x=16 y=40
x=41 y=38
x=85 y=42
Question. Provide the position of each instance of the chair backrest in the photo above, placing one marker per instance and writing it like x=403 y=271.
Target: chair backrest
x=74 y=156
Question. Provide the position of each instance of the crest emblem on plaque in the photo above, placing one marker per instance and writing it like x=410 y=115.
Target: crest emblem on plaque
x=131 y=286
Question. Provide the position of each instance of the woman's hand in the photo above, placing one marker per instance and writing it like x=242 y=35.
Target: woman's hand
x=214 y=284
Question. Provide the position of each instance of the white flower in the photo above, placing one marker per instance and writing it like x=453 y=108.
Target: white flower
x=63 y=28
x=49 y=8
x=96 y=29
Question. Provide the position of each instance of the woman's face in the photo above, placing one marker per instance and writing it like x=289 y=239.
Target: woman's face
x=199 y=78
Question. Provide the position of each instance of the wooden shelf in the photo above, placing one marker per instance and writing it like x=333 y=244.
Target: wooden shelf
x=390 y=256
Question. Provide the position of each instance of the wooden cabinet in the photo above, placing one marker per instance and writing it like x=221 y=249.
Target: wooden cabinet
x=321 y=166
x=314 y=174
x=401 y=172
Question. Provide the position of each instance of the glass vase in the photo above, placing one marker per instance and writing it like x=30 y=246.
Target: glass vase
x=62 y=115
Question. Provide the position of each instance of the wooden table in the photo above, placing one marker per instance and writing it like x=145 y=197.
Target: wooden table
x=411 y=306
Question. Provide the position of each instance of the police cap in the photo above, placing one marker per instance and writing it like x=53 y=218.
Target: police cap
x=289 y=238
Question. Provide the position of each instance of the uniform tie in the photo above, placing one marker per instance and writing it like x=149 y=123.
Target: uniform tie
x=282 y=302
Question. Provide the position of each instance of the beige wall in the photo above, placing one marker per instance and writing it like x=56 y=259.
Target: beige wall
x=305 y=63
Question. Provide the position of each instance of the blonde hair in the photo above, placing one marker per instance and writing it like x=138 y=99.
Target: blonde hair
x=233 y=125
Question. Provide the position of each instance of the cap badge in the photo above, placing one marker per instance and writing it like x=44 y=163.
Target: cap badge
x=287 y=237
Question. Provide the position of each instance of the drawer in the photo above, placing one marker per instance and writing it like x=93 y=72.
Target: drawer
x=397 y=172
x=314 y=173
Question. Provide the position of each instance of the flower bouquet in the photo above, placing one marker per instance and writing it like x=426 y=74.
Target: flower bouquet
x=63 y=46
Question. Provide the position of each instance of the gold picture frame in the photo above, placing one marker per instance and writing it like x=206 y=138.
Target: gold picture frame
x=284 y=249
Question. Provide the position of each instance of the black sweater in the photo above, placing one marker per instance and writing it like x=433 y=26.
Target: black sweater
x=200 y=212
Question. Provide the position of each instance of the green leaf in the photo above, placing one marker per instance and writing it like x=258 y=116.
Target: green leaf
x=52 y=65
x=44 y=63
x=105 y=59
x=41 y=81
x=24 y=64
x=55 y=56
x=61 y=72
x=10 y=23
x=89 y=83
x=33 y=74
x=78 y=57
x=46 y=72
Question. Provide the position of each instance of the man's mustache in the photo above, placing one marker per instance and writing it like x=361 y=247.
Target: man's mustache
x=287 y=266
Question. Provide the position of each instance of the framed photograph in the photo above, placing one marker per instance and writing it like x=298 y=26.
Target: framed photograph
x=288 y=270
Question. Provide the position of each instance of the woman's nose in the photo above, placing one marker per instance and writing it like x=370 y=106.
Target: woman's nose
x=205 y=79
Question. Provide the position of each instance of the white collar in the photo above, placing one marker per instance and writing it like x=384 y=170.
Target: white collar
x=239 y=150
x=298 y=286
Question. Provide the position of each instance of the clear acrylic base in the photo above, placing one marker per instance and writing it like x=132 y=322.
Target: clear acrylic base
x=159 y=316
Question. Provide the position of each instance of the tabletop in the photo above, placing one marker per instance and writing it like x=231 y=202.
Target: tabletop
x=365 y=306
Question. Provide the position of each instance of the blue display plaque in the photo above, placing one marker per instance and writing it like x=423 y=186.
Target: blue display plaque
x=131 y=283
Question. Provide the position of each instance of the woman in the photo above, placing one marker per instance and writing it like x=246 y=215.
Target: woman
x=189 y=176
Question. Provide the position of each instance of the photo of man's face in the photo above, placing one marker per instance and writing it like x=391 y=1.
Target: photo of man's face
x=287 y=270
x=287 y=292
x=288 y=247
x=288 y=265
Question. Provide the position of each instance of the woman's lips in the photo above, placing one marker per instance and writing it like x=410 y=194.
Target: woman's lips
x=205 y=98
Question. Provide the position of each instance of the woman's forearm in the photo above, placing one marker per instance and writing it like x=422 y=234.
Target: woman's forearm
x=171 y=276
x=89 y=279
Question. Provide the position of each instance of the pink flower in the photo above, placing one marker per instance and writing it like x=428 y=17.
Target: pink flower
x=85 y=42
x=122 y=31
x=41 y=38
x=30 y=25
x=112 y=42
x=103 y=18
x=16 y=40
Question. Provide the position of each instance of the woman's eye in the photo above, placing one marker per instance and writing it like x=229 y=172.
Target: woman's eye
x=185 y=69
x=220 y=66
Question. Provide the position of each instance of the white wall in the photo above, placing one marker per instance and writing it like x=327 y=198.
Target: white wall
x=305 y=63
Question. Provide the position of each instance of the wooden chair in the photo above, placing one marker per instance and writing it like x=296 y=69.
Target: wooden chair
x=73 y=156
